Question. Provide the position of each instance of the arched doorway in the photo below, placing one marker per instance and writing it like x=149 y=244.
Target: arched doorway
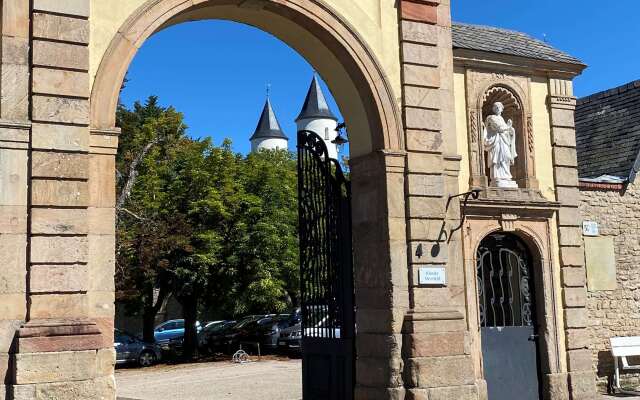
x=508 y=320
x=350 y=69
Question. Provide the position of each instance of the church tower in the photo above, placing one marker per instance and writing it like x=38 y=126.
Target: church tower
x=317 y=117
x=268 y=134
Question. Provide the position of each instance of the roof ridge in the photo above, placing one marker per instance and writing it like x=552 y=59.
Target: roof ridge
x=635 y=84
x=495 y=28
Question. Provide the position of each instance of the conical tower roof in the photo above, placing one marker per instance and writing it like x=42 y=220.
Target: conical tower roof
x=315 y=105
x=268 y=126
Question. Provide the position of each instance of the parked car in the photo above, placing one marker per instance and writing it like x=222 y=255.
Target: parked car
x=211 y=330
x=290 y=338
x=171 y=332
x=131 y=349
x=268 y=331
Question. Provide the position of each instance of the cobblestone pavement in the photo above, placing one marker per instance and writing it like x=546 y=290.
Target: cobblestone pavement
x=261 y=380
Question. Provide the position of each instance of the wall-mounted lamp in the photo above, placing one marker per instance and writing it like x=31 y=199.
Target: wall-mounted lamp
x=341 y=140
x=474 y=194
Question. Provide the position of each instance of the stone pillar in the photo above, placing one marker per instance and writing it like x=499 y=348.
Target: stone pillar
x=14 y=143
x=574 y=293
x=438 y=364
x=380 y=269
x=61 y=353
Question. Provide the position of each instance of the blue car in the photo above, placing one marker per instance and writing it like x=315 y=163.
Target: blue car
x=170 y=333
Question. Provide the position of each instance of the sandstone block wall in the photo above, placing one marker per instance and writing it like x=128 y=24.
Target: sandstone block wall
x=617 y=312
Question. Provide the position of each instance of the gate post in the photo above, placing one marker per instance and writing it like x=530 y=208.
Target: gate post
x=436 y=349
x=60 y=350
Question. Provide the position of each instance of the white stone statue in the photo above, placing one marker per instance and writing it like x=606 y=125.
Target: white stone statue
x=499 y=139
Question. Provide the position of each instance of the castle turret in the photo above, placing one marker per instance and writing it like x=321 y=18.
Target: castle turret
x=268 y=134
x=317 y=117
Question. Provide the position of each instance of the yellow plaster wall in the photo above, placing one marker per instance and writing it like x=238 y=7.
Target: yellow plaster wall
x=374 y=20
x=542 y=136
x=459 y=93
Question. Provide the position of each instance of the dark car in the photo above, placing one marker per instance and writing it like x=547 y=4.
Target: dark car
x=131 y=349
x=209 y=338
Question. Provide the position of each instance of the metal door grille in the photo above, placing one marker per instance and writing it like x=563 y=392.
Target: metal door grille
x=504 y=282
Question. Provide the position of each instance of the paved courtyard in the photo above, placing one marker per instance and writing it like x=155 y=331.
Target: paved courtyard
x=262 y=380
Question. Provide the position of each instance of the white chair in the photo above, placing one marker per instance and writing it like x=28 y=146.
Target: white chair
x=621 y=348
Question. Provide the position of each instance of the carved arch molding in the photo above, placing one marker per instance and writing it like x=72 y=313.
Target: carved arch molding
x=483 y=89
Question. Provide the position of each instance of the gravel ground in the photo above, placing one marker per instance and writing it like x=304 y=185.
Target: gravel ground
x=261 y=380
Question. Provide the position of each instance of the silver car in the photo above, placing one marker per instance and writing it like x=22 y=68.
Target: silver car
x=130 y=349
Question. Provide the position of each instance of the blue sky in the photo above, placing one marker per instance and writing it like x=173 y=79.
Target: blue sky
x=216 y=72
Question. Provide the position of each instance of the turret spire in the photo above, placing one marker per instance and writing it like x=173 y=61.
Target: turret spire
x=315 y=105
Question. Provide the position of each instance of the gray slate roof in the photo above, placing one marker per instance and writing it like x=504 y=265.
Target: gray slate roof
x=268 y=125
x=315 y=105
x=608 y=132
x=504 y=41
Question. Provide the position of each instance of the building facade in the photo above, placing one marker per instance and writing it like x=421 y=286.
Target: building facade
x=608 y=144
x=428 y=147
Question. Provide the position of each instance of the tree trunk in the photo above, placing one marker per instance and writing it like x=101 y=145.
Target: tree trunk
x=190 y=315
x=150 y=311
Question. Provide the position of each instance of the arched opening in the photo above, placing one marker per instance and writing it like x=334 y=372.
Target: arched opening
x=509 y=317
x=329 y=44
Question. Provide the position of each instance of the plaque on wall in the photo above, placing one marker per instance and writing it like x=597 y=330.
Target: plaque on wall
x=590 y=228
x=432 y=276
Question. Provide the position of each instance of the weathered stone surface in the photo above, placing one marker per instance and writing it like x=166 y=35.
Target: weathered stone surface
x=570 y=236
x=419 y=32
x=61 y=109
x=57 y=27
x=13 y=306
x=59 y=221
x=94 y=389
x=101 y=303
x=14 y=104
x=423 y=252
x=55 y=367
x=60 y=137
x=425 y=185
x=432 y=372
x=101 y=220
x=572 y=256
x=420 y=54
x=562 y=118
x=60 y=82
x=569 y=216
x=423 y=97
x=15 y=18
x=556 y=387
x=59 y=193
x=574 y=277
x=426 y=207
x=13 y=220
x=73 y=306
x=102 y=250
x=58 y=278
x=469 y=392
x=427 y=141
x=569 y=196
x=59 y=165
x=564 y=137
x=59 y=249
x=435 y=344
x=423 y=12
x=60 y=55
x=426 y=229
x=582 y=385
x=102 y=188
x=10 y=134
x=566 y=176
x=578 y=339
x=421 y=75
x=105 y=362
x=574 y=297
x=378 y=371
x=70 y=7
x=565 y=156
x=15 y=51
x=59 y=343
x=576 y=318
x=13 y=177
x=13 y=263
x=425 y=163
x=8 y=330
x=419 y=118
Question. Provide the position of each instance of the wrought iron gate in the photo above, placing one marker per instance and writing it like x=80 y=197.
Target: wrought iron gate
x=506 y=302
x=326 y=273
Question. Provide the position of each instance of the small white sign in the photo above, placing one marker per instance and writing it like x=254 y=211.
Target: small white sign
x=432 y=276
x=590 y=228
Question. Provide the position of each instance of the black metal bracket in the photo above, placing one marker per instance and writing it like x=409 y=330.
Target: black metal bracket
x=474 y=193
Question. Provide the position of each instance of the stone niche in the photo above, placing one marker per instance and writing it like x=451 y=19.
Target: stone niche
x=484 y=88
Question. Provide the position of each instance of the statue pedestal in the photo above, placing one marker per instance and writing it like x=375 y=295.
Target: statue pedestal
x=506 y=183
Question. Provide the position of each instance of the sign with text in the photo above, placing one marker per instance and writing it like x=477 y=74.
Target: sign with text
x=590 y=228
x=432 y=276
